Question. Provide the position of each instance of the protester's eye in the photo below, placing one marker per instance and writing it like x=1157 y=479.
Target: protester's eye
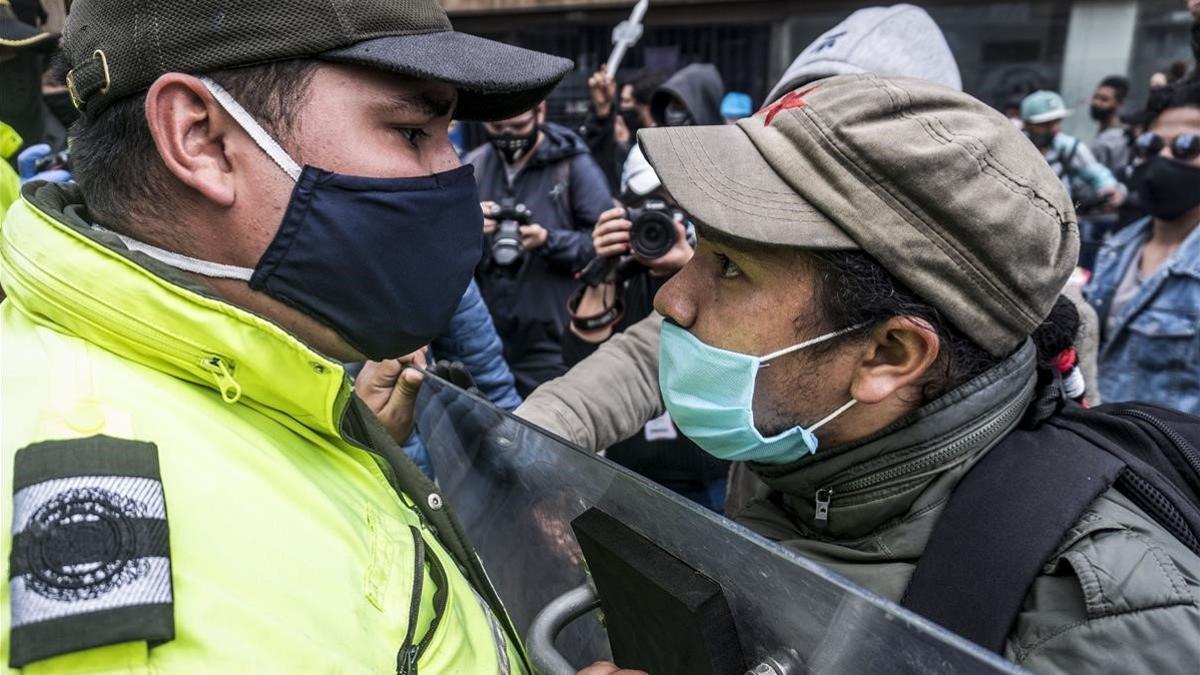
x=414 y=135
x=729 y=269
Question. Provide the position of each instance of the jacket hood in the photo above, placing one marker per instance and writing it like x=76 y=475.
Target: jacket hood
x=898 y=40
x=700 y=88
x=558 y=143
x=78 y=279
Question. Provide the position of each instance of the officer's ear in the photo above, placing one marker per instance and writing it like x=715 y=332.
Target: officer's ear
x=896 y=357
x=192 y=134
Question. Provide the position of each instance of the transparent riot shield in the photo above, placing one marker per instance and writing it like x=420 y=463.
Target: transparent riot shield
x=517 y=489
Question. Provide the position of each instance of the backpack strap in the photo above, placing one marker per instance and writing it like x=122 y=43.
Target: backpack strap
x=1068 y=162
x=1002 y=523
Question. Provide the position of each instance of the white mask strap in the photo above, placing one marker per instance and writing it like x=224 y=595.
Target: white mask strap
x=809 y=343
x=187 y=263
x=252 y=127
x=829 y=418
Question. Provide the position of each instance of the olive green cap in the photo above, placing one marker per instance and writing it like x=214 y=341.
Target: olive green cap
x=116 y=48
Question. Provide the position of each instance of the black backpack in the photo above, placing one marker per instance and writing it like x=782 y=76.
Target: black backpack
x=1010 y=512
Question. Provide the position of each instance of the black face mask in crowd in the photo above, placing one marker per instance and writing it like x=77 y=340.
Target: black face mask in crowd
x=513 y=147
x=676 y=116
x=1042 y=139
x=1101 y=114
x=1169 y=188
x=632 y=118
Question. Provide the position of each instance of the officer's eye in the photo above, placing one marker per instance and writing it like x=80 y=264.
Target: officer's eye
x=729 y=269
x=413 y=135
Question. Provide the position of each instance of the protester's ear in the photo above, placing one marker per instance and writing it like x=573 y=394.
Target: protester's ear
x=540 y=112
x=190 y=133
x=896 y=356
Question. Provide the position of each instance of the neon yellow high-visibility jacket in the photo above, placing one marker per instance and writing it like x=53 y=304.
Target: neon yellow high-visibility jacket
x=10 y=182
x=192 y=489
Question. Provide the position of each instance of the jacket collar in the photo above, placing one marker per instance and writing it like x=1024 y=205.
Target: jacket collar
x=877 y=480
x=80 y=280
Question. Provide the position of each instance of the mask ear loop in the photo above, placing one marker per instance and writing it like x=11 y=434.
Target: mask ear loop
x=762 y=361
x=831 y=416
x=254 y=129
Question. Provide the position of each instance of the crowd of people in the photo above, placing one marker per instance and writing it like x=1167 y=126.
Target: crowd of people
x=831 y=317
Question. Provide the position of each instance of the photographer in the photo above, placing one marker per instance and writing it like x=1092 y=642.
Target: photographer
x=638 y=249
x=532 y=254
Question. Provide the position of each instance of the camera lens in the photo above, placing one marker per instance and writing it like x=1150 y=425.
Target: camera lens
x=506 y=243
x=652 y=234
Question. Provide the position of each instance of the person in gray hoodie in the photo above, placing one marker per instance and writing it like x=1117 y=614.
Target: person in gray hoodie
x=691 y=97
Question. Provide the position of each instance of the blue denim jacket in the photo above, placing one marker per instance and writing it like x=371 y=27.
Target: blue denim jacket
x=1153 y=353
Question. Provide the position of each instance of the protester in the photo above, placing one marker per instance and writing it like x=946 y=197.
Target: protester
x=1111 y=145
x=735 y=106
x=622 y=298
x=626 y=367
x=23 y=51
x=1146 y=288
x=858 y=343
x=547 y=168
x=609 y=137
x=176 y=327
x=690 y=96
x=1071 y=160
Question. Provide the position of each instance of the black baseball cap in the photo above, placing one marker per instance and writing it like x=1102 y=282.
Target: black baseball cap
x=116 y=48
x=16 y=34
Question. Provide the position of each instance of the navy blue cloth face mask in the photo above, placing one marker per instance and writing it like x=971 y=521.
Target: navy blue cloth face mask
x=382 y=261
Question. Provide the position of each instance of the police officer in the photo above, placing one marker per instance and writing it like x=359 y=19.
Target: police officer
x=265 y=191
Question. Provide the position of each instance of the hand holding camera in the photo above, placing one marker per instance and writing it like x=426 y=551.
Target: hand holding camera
x=652 y=233
x=511 y=230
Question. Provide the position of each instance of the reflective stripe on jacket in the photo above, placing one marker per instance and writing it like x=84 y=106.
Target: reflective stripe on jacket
x=292 y=548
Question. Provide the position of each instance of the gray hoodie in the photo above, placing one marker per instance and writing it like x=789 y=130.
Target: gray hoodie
x=700 y=88
x=897 y=40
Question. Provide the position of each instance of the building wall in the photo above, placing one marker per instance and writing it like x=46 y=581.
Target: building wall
x=1003 y=48
x=475 y=6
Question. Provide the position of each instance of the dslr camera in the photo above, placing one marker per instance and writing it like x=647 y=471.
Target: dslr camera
x=653 y=231
x=506 y=240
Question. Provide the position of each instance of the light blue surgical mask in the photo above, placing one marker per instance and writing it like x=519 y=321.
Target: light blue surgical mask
x=710 y=395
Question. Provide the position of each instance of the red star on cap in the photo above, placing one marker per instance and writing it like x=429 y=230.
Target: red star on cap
x=793 y=100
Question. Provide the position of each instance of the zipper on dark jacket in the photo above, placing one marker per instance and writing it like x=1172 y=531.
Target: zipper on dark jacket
x=952 y=451
x=1189 y=452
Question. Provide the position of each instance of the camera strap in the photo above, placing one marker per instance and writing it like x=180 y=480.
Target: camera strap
x=605 y=319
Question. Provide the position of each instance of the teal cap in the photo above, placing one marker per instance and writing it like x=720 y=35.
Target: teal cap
x=1043 y=106
x=736 y=105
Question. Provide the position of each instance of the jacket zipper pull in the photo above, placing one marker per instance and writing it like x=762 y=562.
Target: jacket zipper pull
x=822 y=503
x=231 y=391
x=409 y=665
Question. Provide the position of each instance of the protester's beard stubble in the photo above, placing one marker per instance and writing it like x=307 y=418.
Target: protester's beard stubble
x=802 y=382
